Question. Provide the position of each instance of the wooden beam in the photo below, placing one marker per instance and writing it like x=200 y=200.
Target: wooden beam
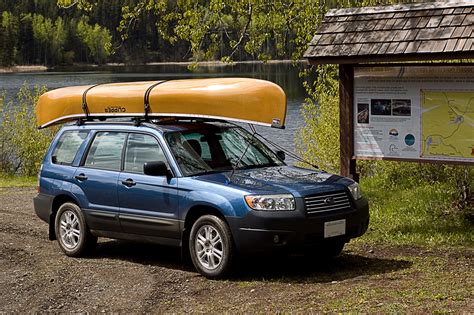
x=467 y=55
x=346 y=122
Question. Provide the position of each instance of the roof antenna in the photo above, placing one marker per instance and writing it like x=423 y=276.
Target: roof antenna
x=234 y=166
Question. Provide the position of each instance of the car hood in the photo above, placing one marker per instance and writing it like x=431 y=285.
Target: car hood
x=282 y=179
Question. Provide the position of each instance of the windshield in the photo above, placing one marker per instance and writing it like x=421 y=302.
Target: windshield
x=218 y=148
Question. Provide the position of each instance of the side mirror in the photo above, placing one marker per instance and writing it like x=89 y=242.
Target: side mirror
x=156 y=168
x=281 y=155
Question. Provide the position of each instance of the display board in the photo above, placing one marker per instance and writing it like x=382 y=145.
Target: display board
x=414 y=112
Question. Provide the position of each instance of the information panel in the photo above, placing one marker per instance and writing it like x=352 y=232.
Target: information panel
x=414 y=112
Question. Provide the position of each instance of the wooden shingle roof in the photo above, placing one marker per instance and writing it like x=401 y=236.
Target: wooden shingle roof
x=424 y=31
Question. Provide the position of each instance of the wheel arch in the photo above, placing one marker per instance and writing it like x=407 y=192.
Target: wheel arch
x=57 y=202
x=194 y=213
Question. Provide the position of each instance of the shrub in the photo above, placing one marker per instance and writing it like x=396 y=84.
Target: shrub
x=22 y=145
x=319 y=138
x=6 y=156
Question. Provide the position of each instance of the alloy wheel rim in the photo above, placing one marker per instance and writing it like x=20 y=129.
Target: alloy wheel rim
x=69 y=229
x=209 y=247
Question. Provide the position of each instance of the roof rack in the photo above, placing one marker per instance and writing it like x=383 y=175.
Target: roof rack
x=152 y=120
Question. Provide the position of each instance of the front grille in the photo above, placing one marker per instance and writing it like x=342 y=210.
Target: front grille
x=332 y=201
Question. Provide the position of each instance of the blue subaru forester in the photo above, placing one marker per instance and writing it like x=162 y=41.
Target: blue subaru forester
x=209 y=187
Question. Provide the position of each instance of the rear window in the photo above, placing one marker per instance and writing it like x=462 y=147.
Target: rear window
x=67 y=147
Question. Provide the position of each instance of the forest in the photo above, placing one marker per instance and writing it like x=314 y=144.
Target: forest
x=41 y=32
x=137 y=31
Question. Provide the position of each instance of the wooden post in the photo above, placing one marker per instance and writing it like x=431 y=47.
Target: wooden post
x=346 y=121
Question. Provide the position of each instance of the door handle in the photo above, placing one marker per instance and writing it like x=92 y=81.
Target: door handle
x=129 y=182
x=81 y=177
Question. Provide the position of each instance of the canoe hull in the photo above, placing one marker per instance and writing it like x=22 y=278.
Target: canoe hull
x=235 y=99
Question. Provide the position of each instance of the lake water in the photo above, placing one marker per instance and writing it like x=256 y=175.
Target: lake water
x=284 y=74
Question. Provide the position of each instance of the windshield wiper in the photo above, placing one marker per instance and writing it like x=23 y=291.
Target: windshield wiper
x=209 y=172
x=247 y=167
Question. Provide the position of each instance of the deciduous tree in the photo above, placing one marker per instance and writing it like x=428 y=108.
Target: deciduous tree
x=8 y=38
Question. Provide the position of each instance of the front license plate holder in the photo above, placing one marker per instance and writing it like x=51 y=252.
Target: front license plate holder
x=334 y=228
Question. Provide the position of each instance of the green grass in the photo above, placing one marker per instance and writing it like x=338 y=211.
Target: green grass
x=17 y=181
x=421 y=214
x=430 y=284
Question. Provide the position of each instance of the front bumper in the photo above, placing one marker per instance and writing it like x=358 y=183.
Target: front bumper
x=261 y=231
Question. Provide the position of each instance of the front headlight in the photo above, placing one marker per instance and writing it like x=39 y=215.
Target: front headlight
x=355 y=191
x=271 y=202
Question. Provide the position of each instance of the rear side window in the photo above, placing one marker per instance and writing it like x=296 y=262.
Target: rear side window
x=141 y=149
x=67 y=147
x=106 y=151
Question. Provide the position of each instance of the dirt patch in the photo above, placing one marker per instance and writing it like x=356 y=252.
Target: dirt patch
x=125 y=276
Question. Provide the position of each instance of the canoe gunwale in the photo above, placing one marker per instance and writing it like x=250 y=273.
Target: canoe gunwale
x=81 y=118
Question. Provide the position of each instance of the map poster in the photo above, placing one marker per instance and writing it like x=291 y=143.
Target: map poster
x=414 y=112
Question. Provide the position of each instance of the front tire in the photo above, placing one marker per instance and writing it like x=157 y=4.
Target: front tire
x=72 y=233
x=211 y=246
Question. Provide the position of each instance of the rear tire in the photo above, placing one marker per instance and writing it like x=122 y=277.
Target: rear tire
x=211 y=246
x=72 y=233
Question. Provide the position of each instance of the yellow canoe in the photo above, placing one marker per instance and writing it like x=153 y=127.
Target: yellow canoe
x=235 y=99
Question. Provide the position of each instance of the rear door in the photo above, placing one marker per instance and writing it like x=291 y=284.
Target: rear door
x=63 y=163
x=97 y=177
x=148 y=204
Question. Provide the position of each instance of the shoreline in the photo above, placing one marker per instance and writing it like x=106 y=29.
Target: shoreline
x=212 y=63
x=220 y=63
x=20 y=69
x=216 y=63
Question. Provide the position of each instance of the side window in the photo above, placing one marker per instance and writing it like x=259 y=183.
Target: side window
x=235 y=142
x=141 y=149
x=199 y=144
x=67 y=146
x=106 y=151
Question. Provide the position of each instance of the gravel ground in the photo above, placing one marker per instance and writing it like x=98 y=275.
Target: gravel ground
x=125 y=276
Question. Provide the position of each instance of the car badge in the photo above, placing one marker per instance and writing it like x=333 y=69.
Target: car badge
x=329 y=201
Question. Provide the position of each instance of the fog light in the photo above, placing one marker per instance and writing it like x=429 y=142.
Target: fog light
x=276 y=239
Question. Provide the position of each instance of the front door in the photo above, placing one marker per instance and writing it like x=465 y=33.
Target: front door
x=148 y=204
